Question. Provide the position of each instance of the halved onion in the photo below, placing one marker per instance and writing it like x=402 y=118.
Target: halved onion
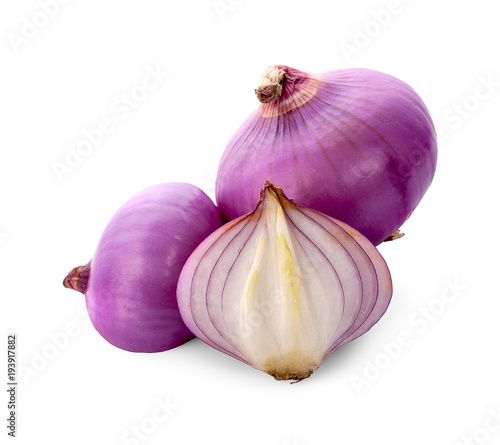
x=283 y=287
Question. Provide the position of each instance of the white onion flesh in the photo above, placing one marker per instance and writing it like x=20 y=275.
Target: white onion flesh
x=283 y=287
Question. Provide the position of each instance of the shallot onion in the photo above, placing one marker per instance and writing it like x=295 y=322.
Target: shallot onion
x=283 y=287
x=356 y=144
x=130 y=283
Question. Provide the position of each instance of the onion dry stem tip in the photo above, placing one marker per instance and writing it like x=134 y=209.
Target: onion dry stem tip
x=78 y=278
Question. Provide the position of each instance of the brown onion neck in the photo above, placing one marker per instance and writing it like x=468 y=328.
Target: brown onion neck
x=78 y=278
x=271 y=84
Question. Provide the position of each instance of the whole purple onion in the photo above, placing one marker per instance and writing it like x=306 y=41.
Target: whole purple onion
x=130 y=283
x=356 y=144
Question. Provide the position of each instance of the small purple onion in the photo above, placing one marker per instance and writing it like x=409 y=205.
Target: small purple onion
x=283 y=287
x=130 y=283
x=356 y=144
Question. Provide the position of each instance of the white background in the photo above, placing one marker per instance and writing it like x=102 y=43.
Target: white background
x=63 y=79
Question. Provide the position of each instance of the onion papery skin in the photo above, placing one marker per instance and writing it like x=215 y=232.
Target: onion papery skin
x=283 y=287
x=356 y=144
x=130 y=283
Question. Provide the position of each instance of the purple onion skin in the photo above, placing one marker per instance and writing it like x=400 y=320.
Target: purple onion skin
x=130 y=283
x=355 y=144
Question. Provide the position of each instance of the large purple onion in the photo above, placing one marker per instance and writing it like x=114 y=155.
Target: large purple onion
x=130 y=283
x=283 y=287
x=356 y=144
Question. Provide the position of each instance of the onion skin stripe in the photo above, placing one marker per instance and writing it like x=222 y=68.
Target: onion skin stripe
x=380 y=303
x=384 y=265
x=386 y=142
x=422 y=112
x=252 y=215
x=208 y=243
x=324 y=151
x=226 y=229
x=259 y=125
x=404 y=91
x=298 y=207
x=353 y=234
x=208 y=313
x=357 y=101
x=326 y=258
x=295 y=159
x=329 y=263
